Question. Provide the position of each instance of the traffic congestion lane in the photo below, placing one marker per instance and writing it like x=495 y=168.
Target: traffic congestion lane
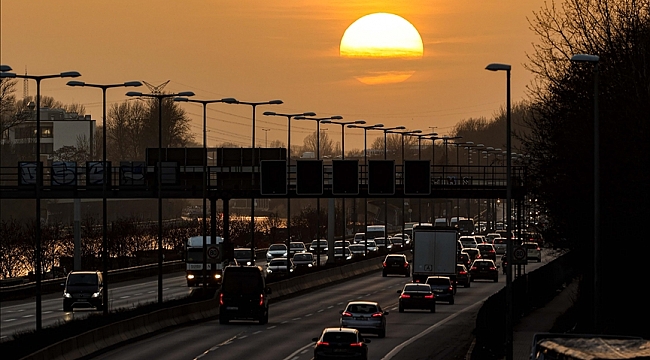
x=294 y=322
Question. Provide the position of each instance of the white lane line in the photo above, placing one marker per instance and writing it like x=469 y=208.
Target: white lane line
x=308 y=315
x=151 y=292
x=331 y=306
x=304 y=351
x=341 y=303
x=299 y=351
x=257 y=332
x=125 y=297
x=295 y=319
x=243 y=337
x=401 y=346
x=47 y=312
x=271 y=327
x=321 y=310
x=10 y=320
x=284 y=322
x=28 y=316
x=138 y=294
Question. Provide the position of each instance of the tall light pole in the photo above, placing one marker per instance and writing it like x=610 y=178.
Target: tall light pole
x=160 y=98
x=365 y=163
x=509 y=314
x=39 y=177
x=318 y=121
x=595 y=60
x=460 y=179
x=343 y=123
x=288 y=116
x=105 y=179
x=468 y=147
x=433 y=165
x=254 y=106
x=206 y=177
x=404 y=133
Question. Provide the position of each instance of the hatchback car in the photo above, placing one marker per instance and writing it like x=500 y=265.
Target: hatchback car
x=396 y=264
x=359 y=237
x=277 y=268
x=416 y=296
x=303 y=260
x=365 y=316
x=533 y=251
x=474 y=254
x=398 y=243
x=276 y=251
x=406 y=239
x=317 y=246
x=487 y=251
x=464 y=258
x=500 y=245
x=340 y=343
x=484 y=269
x=243 y=256
x=342 y=254
x=462 y=276
x=83 y=289
x=371 y=245
x=358 y=251
x=468 y=241
x=383 y=245
x=443 y=287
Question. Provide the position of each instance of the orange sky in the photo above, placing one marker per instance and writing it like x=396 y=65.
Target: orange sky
x=257 y=50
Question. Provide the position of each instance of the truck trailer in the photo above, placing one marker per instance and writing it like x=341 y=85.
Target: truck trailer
x=434 y=252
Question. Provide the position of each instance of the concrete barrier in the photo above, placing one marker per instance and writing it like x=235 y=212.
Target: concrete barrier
x=126 y=330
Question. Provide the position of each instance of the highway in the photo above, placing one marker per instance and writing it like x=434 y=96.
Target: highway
x=294 y=322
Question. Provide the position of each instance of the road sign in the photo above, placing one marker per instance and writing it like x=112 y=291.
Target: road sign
x=520 y=256
x=214 y=252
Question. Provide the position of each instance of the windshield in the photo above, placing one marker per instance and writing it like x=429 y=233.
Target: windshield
x=323 y=243
x=243 y=254
x=299 y=246
x=302 y=257
x=242 y=281
x=438 y=281
x=82 y=279
x=194 y=256
x=275 y=247
x=278 y=262
x=417 y=288
x=340 y=337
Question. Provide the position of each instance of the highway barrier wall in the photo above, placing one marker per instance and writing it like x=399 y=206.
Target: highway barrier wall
x=112 y=335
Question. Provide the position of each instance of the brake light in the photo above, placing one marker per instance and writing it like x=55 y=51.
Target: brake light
x=451 y=288
x=406 y=264
x=491 y=251
x=322 y=343
x=359 y=344
x=261 y=299
x=346 y=314
x=430 y=296
x=538 y=248
x=473 y=268
x=377 y=314
x=492 y=268
x=417 y=281
x=384 y=263
x=220 y=299
x=405 y=296
x=462 y=272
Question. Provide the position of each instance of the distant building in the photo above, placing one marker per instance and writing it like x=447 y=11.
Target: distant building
x=58 y=129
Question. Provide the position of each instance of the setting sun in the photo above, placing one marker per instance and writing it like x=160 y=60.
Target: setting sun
x=382 y=41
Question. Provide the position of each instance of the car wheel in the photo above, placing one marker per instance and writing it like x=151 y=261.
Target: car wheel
x=383 y=274
x=382 y=333
x=433 y=308
x=401 y=309
x=264 y=319
x=496 y=279
x=451 y=302
x=223 y=319
x=467 y=285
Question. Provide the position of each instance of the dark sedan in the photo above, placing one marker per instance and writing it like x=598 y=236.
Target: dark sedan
x=487 y=251
x=484 y=269
x=340 y=343
x=417 y=296
x=462 y=276
x=443 y=287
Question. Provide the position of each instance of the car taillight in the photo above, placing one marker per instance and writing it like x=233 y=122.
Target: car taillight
x=462 y=272
x=538 y=248
x=417 y=281
x=261 y=299
x=430 y=296
x=405 y=296
x=406 y=264
x=384 y=263
x=491 y=251
x=377 y=314
x=359 y=344
x=451 y=288
x=322 y=343
x=473 y=268
x=346 y=314
x=492 y=268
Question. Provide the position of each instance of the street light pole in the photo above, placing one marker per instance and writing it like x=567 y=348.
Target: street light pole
x=160 y=98
x=404 y=133
x=318 y=121
x=595 y=60
x=39 y=178
x=252 y=226
x=509 y=247
x=288 y=116
x=105 y=180
x=206 y=180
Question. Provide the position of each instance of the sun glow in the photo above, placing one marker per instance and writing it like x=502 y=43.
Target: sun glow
x=382 y=42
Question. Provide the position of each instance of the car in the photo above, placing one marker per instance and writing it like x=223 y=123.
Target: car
x=487 y=251
x=383 y=245
x=398 y=243
x=416 y=296
x=474 y=254
x=484 y=269
x=342 y=254
x=341 y=243
x=365 y=316
x=340 y=343
x=491 y=236
x=243 y=256
x=480 y=239
x=468 y=241
x=276 y=251
x=406 y=239
x=396 y=264
x=500 y=245
x=83 y=289
x=318 y=245
x=371 y=245
x=443 y=287
x=244 y=295
x=464 y=258
x=358 y=251
x=462 y=276
x=303 y=260
x=533 y=252
x=277 y=268
x=359 y=237
x=296 y=247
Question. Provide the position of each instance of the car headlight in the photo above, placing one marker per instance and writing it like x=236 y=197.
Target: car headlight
x=249 y=263
x=309 y=265
x=97 y=294
x=190 y=277
x=66 y=295
x=269 y=270
x=284 y=254
x=217 y=276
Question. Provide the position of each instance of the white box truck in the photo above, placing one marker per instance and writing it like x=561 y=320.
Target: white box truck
x=194 y=253
x=434 y=252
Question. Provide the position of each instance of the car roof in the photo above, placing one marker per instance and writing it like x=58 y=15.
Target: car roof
x=340 y=329
x=363 y=303
x=84 y=272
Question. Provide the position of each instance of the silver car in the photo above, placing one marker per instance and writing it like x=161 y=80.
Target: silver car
x=365 y=316
x=276 y=251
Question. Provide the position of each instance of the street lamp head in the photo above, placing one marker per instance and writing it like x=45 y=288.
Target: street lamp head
x=326 y=121
x=480 y=145
x=585 y=58
x=7 y=75
x=275 y=102
x=418 y=131
x=70 y=74
x=134 y=93
x=75 y=83
x=336 y=117
x=4 y=68
x=359 y=121
x=269 y=113
x=229 y=100
x=498 y=67
x=180 y=99
x=185 y=93
x=309 y=113
x=132 y=84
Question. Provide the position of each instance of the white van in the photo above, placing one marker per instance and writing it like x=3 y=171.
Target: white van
x=440 y=222
x=375 y=231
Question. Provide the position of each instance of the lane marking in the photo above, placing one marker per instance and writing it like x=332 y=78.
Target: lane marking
x=257 y=332
x=295 y=319
x=308 y=315
x=271 y=327
x=28 y=316
x=10 y=320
